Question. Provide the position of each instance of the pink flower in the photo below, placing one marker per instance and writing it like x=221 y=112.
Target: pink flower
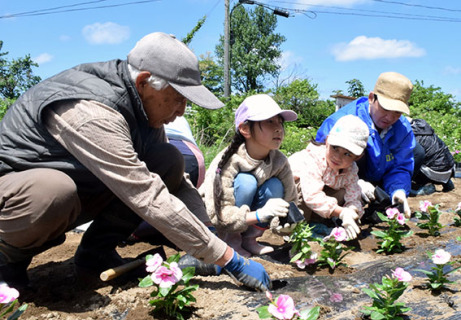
x=166 y=277
x=339 y=233
x=284 y=307
x=402 y=275
x=7 y=294
x=301 y=264
x=423 y=205
x=441 y=256
x=336 y=297
x=401 y=219
x=153 y=263
x=269 y=295
x=391 y=212
x=458 y=208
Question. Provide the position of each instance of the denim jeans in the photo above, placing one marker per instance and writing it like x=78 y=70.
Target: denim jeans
x=246 y=191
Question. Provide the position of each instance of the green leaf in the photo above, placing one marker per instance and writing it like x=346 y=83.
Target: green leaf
x=263 y=312
x=310 y=314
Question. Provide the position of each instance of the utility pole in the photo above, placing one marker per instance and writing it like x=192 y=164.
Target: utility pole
x=226 y=49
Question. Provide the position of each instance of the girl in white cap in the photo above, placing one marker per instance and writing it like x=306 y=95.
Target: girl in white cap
x=326 y=175
x=249 y=185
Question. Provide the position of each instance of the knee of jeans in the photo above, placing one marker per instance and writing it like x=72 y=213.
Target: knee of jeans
x=245 y=180
x=273 y=186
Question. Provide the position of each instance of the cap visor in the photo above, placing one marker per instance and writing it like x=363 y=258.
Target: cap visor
x=393 y=105
x=199 y=95
x=339 y=142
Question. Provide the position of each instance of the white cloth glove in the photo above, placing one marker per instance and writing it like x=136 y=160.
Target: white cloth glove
x=400 y=196
x=348 y=217
x=273 y=208
x=367 y=189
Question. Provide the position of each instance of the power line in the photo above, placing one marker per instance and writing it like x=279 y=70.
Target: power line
x=57 y=9
x=418 y=5
x=370 y=13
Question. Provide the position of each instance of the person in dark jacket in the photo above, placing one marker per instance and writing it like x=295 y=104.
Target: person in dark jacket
x=89 y=144
x=437 y=166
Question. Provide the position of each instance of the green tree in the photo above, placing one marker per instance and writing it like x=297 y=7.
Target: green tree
x=16 y=76
x=355 y=88
x=211 y=73
x=302 y=97
x=188 y=38
x=254 y=50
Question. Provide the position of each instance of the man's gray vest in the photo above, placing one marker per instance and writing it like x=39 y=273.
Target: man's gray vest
x=25 y=143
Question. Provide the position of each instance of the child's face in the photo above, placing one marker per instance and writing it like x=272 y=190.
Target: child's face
x=338 y=157
x=266 y=135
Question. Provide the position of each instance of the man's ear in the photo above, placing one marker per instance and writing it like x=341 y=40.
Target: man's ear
x=141 y=81
x=245 y=131
x=371 y=97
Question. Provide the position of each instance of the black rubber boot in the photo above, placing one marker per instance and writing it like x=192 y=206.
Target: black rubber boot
x=96 y=252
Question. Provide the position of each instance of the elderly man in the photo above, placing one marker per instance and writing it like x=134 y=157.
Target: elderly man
x=89 y=144
x=388 y=160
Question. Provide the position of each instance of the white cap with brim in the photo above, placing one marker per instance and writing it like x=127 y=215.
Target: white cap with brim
x=351 y=133
x=170 y=59
x=393 y=91
x=261 y=107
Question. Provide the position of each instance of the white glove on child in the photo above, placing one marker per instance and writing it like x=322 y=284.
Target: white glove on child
x=400 y=196
x=367 y=189
x=273 y=208
x=349 y=217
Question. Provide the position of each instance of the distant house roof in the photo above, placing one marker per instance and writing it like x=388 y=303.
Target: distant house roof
x=341 y=100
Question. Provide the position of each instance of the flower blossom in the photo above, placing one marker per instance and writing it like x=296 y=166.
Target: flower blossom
x=166 y=277
x=7 y=294
x=153 y=263
x=392 y=212
x=458 y=208
x=441 y=256
x=423 y=205
x=339 y=233
x=303 y=263
x=402 y=275
x=284 y=307
x=401 y=219
x=336 y=297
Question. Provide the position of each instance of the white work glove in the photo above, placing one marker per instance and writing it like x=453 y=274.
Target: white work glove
x=286 y=229
x=273 y=208
x=400 y=196
x=349 y=216
x=367 y=189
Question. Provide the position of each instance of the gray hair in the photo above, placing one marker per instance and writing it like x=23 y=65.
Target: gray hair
x=155 y=82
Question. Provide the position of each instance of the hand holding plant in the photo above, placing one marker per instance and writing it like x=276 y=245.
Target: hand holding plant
x=390 y=239
x=432 y=214
x=8 y=300
x=167 y=277
x=284 y=308
x=437 y=277
x=384 y=296
x=332 y=248
x=301 y=251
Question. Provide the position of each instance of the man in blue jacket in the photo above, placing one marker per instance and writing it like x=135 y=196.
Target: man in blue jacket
x=388 y=161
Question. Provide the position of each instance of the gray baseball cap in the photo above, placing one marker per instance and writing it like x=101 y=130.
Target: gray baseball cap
x=166 y=57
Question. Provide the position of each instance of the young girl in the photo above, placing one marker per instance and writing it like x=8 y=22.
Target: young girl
x=326 y=175
x=248 y=185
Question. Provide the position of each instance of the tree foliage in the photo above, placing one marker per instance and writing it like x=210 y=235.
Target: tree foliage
x=16 y=76
x=356 y=88
x=302 y=97
x=212 y=74
x=188 y=38
x=254 y=50
x=430 y=99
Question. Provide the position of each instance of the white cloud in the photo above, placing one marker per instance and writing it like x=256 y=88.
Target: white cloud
x=452 y=70
x=288 y=59
x=364 y=48
x=105 y=33
x=43 y=58
x=342 y=3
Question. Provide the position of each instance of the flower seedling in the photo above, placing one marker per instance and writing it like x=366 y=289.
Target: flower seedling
x=390 y=238
x=384 y=296
x=332 y=248
x=167 y=278
x=432 y=214
x=458 y=215
x=437 y=277
x=8 y=299
x=301 y=251
x=284 y=308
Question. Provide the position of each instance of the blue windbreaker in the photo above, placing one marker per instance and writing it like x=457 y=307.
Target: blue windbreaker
x=389 y=161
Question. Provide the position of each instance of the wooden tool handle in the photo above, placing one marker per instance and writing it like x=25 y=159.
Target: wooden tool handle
x=115 y=272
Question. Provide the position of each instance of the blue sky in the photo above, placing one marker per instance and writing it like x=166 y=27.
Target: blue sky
x=328 y=41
